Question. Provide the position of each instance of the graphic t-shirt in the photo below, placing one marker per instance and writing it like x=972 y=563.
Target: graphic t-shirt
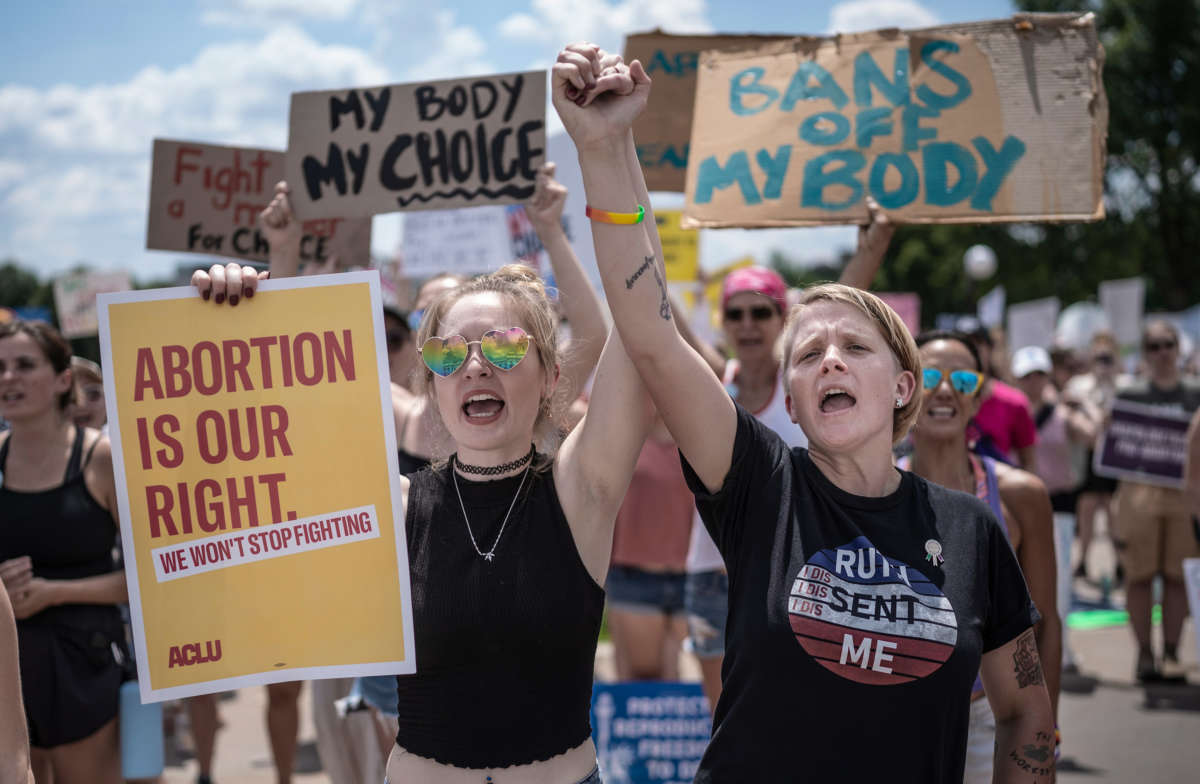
x=856 y=625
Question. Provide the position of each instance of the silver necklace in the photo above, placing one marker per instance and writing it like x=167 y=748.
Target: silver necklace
x=490 y=554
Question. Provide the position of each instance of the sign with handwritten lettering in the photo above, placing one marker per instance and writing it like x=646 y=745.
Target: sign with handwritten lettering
x=987 y=121
x=664 y=128
x=254 y=453
x=431 y=145
x=205 y=198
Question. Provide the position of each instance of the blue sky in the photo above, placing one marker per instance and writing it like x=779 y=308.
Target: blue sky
x=85 y=87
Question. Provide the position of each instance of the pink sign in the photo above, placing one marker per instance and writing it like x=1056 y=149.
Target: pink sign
x=907 y=306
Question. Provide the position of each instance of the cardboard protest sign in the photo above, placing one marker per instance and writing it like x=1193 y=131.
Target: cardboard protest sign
x=681 y=247
x=978 y=122
x=664 y=129
x=650 y=731
x=255 y=458
x=1143 y=443
x=205 y=199
x=431 y=145
x=75 y=299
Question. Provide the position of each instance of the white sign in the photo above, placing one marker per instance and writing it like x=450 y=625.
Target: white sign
x=1122 y=301
x=1032 y=323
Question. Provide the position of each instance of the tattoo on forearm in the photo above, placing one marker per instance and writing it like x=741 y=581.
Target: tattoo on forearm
x=1033 y=759
x=664 y=304
x=649 y=263
x=1026 y=663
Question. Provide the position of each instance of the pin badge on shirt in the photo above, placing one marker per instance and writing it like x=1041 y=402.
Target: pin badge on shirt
x=933 y=552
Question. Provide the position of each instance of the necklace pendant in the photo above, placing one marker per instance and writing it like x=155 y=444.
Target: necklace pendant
x=488 y=557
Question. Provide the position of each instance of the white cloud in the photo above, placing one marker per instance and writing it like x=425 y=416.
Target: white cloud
x=556 y=22
x=459 y=51
x=75 y=178
x=241 y=13
x=859 y=15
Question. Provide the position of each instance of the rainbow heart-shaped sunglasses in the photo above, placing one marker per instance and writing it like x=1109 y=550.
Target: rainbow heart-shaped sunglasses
x=504 y=348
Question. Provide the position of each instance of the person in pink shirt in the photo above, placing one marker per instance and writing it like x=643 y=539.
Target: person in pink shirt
x=1004 y=424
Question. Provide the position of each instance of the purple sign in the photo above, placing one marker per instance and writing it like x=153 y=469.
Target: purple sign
x=1144 y=443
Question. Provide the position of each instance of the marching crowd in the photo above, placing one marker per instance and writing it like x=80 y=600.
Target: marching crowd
x=821 y=508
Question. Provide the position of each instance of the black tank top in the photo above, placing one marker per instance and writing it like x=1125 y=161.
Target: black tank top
x=505 y=649
x=66 y=534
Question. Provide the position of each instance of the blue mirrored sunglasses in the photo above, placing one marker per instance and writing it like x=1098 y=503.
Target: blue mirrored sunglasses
x=965 y=382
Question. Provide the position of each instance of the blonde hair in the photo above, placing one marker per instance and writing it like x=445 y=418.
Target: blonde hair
x=525 y=293
x=891 y=327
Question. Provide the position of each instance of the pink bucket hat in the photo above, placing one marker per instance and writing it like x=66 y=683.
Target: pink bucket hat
x=760 y=280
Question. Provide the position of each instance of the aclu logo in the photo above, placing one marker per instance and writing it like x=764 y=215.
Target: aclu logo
x=193 y=653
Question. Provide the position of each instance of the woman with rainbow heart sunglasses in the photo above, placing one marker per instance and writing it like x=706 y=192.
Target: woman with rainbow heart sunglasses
x=508 y=543
x=863 y=600
x=952 y=377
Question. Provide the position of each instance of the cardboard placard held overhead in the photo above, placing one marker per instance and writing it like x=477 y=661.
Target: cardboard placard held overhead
x=979 y=122
x=431 y=145
x=664 y=129
x=205 y=198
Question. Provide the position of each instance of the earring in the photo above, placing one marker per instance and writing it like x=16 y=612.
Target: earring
x=899 y=402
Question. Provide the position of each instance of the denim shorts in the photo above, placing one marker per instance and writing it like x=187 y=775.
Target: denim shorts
x=706 y=601
x=634 y=590
x=381 y=692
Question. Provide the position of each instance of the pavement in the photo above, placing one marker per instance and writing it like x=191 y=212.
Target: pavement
x=1114 y=729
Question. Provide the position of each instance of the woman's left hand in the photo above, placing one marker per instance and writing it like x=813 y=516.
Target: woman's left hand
x=34 y=596
x=596 y=95
x=229 y=281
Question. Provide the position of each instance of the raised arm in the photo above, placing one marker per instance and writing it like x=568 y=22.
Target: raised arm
x=873 y=241
x=580 y=303
x=1016 y=688
x=283 y=233
x=598 y=110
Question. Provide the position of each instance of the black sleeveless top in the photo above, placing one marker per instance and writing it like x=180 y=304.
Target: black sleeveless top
x=67 y=535
x=505 y=649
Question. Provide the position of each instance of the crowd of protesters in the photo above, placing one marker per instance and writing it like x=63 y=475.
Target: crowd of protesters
x=688 y=477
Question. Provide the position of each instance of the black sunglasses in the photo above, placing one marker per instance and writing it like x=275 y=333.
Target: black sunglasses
x=1103 y=359
x=757 y=313
x=1155 y=345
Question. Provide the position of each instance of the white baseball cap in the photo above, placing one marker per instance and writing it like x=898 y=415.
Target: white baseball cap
x=1030 y=359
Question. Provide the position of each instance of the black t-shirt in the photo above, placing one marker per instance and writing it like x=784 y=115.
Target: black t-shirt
x=849 y=656
x=1183 y=397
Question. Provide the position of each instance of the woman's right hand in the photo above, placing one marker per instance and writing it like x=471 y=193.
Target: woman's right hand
x=229 y=281
x=596 y=95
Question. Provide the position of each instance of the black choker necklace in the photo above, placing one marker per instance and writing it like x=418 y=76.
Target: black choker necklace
x=503 y=468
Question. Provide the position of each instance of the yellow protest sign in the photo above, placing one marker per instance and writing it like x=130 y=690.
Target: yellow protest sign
x=255 y=458
x=681 y=247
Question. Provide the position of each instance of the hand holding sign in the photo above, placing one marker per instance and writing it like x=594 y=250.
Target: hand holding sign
x=230 y=279
x=601 y=103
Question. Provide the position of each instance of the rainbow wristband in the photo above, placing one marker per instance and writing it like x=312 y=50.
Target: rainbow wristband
x=617 y=218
